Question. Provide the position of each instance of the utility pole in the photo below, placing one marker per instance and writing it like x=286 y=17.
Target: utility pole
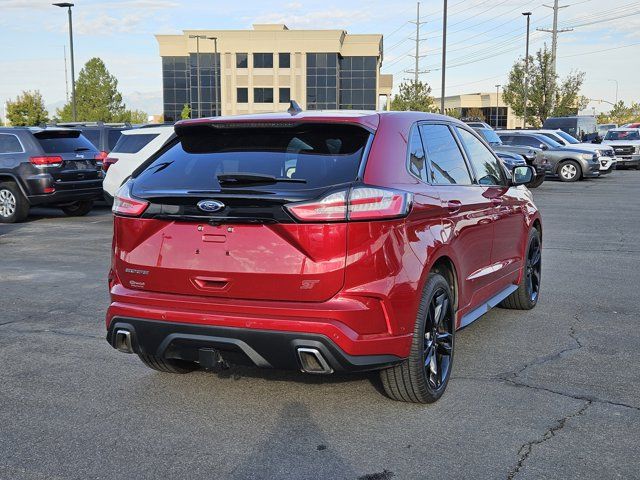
x=554 y=35
x=613 y=80
x=198 y=37
x=497 y=103
x=416 y=71
x=66 y=77
x=68 y=6
x=444 y=56
x=215 y=72
x=526 y=70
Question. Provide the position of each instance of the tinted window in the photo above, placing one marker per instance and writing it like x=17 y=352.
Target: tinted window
x=241 y=60
x=447 y=165
x=323 y=155
x=10 y=144
x=133 y=143
x=112 y=138
x=527 y=141
x=242 y=95
x=552 y=137
x=93 y=135
x=485 y=165
x=263 y=60
x=284 y=60
x=284 y=95
x=417 y=164
x=53 y=141
x=489 y=135
x=622 y=135
x=263 y=95
x=567 y=138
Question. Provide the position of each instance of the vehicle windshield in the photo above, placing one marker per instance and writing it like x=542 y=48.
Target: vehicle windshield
x=566 y=137
x=490 y=136
x=316 y=155
x=548 y=141
x=622 y=135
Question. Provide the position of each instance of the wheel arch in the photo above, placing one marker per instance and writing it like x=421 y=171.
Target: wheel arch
x=10 y=177
x=445 y=266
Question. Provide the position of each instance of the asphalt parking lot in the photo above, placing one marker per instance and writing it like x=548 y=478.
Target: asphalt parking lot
x=549 y=393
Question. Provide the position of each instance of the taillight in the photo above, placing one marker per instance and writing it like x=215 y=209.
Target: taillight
x=359 y=203
x=101 y=156
x=124 y=204
x=107 y=162
x=46 y=161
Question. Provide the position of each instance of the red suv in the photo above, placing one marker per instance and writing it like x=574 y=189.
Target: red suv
x=323 y=242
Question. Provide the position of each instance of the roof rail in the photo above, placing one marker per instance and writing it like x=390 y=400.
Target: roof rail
x=93 y=124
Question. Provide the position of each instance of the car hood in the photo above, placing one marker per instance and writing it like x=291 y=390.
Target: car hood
x=621 y=142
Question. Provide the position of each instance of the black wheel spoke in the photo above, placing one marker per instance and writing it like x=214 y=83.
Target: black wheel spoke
x=438 y=339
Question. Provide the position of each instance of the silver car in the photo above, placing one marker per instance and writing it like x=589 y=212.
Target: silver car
x=626 y=143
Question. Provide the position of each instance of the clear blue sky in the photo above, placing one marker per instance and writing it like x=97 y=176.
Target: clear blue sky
x=487 y=33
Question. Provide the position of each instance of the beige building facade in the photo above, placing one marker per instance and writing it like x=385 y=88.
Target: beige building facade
x=229 y=72
x=486 y=103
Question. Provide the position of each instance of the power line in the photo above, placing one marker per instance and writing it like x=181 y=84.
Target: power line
x=554 y=34
x=603 y=50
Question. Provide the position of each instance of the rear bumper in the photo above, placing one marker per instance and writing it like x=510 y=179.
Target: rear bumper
x=66 y=196
x=65 y=192
x=244 y=346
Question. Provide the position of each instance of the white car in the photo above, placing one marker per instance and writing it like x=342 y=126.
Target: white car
x=626 y=143
x=606 y=154
x=133 y=148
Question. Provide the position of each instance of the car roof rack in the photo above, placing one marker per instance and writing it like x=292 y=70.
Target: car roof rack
x=93 y=124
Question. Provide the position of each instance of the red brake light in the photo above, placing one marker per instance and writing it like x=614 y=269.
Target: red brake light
x=364 y=203
x=102 y=155
x=124 y=204
x=107 y=162
x=46 y=161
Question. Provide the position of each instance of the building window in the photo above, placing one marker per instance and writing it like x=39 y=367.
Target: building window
x=263 y=95
x=284 y=95
x=241 y=60
x=176 y=83
x=322 y=81
x=242 y=95
x=263 y=60
x=284 y=60
x=358 y=83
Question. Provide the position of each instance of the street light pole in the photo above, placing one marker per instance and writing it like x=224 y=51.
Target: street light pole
x=444 y=55
x=613 y=80
x=198 y=37
x=497 y=102
x=73 y=73
x=526 y=70
x=215 y=71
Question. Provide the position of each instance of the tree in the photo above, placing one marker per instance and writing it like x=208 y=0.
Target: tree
x=621 y=114
x=414 y=96
x=186 y=112
x=453 y=112
x=27 y=109
x=547 y=96
x=132 y=116
x=97 y=96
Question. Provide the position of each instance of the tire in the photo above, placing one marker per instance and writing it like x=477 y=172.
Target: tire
x=78 y=209
x=167 y=365
x=414 y=379
x=528 y=292
x=537 y=182
x=14 y=207
x=569 y=171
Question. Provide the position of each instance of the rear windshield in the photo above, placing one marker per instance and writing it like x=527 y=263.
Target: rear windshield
x=315 y=155
x=133 y=143
x=93 y=135
x=566 y=137
x=622 y=135
x=63 y=141
x=112 y=138
x=489 y=135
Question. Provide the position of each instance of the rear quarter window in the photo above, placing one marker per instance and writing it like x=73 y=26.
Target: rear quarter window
x=321 y=155
x=9 y=143
x=133 y=143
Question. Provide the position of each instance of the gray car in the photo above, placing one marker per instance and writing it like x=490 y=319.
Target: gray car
x=569 y=164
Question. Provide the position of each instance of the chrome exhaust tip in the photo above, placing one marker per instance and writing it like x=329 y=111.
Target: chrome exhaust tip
x=312 y=361
x=123 y=341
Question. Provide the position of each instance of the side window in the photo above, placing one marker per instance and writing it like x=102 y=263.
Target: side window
x=447 y=165
x=417 y=165
x=507 y=139
x=484 y=163
x=10 y=144
x=527 y=141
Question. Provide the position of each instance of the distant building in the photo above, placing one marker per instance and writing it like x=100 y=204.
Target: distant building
x=260 y=70
x=486 y=103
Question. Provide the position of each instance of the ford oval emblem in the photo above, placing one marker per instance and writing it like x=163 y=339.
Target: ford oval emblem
x=210 y=206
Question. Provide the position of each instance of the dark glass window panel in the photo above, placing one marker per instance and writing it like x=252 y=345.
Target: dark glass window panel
x=181 y=82
x=357 y=63
x=321 y=81
x=284 y=95
x=311 y=81
x=10 y=144
x=263 y=95
x=241 y=60
x=284 y=60
x=357 y=96
x=181 y=96
x=369 y=83
x=321 y=60
x=370 y=63
x=133 y=143
x=322 y=95
x=170 y=95
x=311 y=60
x=417 y=160
x=447 y=165
x=263 y=60
x=53 y=141
x=486 y=166
x=357 y=83
x=332 y=81
x=370 y=98
x=332 y=60
x=242 y=95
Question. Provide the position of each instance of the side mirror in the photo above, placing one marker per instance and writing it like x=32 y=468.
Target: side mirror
x=543 y=147
x=522 y=175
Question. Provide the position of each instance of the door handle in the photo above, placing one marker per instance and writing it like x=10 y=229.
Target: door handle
x=454 y=205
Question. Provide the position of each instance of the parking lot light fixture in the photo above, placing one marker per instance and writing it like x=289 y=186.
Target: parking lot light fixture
x=526 y=70
x=497 y=103
x=68 y=6
x=215 y=72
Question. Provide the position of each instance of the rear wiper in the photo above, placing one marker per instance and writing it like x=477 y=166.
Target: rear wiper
x=230 y=179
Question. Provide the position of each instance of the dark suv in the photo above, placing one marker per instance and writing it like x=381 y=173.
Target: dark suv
x=47 y=166
x=104 y=136
x=322 y=242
